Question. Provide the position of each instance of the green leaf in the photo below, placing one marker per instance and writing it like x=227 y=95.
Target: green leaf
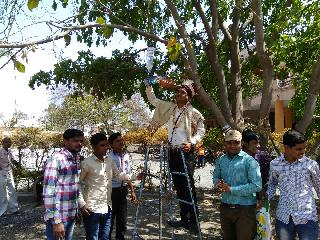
x=67 y=39
x=101 y=20
x=19 y=66
x=107 y=32
x=54 y=5
x=33 y=4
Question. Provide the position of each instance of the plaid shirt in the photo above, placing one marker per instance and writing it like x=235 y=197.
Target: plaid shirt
x=295 y=181
x=60 y=186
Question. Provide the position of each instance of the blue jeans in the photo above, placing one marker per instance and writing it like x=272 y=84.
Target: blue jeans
x=68 y=228
x=308 y=231
x=97 y=225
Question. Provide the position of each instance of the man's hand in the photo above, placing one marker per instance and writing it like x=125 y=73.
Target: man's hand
x=186 y=147
x=85 y=210
x=133 y=197
x=259 y=204
x=221 y=186
x=58 y=231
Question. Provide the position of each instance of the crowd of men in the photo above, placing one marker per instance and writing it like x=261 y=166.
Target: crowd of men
x=96 y=188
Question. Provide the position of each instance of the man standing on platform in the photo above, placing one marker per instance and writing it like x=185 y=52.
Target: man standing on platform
x=237 y=176
x=8 y=195
x=185 y=126
x=120 y=188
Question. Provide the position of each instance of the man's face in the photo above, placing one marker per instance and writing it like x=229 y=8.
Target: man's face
x=73 y=144
x=101 y=148
x=181 y=95
x=296 y=152
x=232 y=147
x=118 y=144
x=253 y=146
x=6 y=143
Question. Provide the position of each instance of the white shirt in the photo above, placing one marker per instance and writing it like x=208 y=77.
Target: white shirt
x=96 y=183
x=179 y=133
x=6 y=158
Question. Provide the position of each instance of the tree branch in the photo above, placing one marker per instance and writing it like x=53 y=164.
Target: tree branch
x=186 y=39
x=211 y=51
x=265 y=62
x=69 y=29
x=311 y=102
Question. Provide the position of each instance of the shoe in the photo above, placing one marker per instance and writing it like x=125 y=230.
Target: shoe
x=177 y=223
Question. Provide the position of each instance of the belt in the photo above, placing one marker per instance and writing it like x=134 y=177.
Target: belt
x=237 y=205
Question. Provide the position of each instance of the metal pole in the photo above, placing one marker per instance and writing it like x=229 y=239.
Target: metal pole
x=146 y=157
x=191 y=195
x=160 y=193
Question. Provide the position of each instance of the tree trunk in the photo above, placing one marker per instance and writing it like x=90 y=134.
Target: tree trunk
x=310 y=105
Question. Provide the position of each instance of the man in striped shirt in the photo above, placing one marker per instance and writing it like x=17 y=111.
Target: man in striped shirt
x=61 y=190
x=296 y=176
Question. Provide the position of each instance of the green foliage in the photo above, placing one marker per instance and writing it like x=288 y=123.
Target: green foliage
x=117 y=77
x=86 y=111
x=33 y=4
x=214 y=139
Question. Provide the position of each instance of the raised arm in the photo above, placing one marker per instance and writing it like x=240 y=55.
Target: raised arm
x=151 y=96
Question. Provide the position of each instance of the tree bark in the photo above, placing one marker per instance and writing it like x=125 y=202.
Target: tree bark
x=212 y=54
x=237 y=106
x=310 y=105
x=265 y=62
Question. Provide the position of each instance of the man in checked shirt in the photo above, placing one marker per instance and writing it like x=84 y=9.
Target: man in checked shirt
x=296 y=176
x=60 y=187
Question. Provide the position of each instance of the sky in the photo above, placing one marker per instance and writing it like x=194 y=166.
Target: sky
x=15 y=92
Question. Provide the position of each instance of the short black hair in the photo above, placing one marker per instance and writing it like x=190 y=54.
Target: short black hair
x=72 y=133
x=113 y=137
x=248 y=135
x=97 y=138
x=292 y=138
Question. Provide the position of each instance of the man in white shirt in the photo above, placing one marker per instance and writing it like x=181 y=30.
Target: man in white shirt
x=185 y=126
x=8 y=195
x=120 y=188
x=96 y=176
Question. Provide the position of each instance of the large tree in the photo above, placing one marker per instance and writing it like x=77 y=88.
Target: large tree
x=221 y=45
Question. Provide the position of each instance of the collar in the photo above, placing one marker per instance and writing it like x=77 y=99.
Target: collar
x=97 y=159
x=240 y=154
x=70 y=155
x=283 y=159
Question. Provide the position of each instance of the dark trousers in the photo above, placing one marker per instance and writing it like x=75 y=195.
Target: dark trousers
x=119 y=211
x=188 y=216
x=238 y=223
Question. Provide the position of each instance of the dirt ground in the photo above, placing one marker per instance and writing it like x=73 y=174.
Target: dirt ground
x=29 y=223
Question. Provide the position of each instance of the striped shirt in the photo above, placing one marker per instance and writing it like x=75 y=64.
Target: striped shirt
x=60 y=186
x=296 y=181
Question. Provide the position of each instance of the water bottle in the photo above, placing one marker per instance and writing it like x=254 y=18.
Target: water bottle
x=164 y=82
